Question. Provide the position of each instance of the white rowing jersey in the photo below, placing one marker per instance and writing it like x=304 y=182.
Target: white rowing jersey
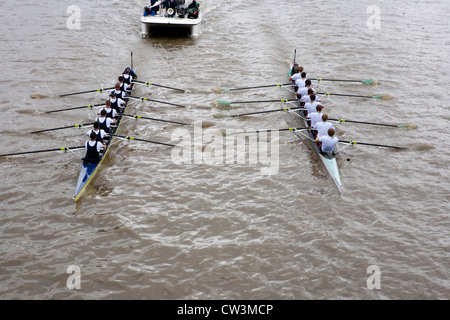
x=328 y=143
x=296 y=76
x=315 y=117
x=322 y=128
x=311 y=106
x=300 y=82
x=110 y=112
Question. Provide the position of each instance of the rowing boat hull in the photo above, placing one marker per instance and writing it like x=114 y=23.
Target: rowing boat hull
x=89 y=170
x=329 y=163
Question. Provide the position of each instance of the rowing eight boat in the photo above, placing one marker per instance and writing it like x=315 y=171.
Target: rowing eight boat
x=89 y=169
x=329 y=161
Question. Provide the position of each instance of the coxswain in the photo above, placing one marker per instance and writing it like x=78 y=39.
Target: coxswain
x=105 y=122
x=110 y=112
x=295 y=72
x=315 y=116
x=116 y=103
x=100 y=133
x=93 y=149
x=323 y=126
x=311 y=106
x=328 y=142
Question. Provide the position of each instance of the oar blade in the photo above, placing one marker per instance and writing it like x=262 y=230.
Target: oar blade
x=224 y=102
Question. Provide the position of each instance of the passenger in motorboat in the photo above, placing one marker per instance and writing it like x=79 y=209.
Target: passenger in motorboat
x=193 y=10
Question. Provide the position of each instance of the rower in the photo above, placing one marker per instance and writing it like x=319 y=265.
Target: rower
x=316 y=116
x=296 y=72
x=93 y=149
x=311 y=106
x=328 y=143
x=118 y=91
x=110 y=112
x=123 y=85
x=128 y=75
x=300 y=82
x=303 y=91
x=100 y=133
x=307 y=97
x=105 y=122
x=323 y=126
x=116 y=103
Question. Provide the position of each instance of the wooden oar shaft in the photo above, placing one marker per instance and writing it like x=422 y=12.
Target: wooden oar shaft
x=148 y=118
x=89 y=91
x=39 y=151
x=370 y=144
x=66 y=127
x=74 y=108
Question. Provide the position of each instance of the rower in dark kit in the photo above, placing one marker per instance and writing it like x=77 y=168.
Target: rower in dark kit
x=105 y=122
x=93 y=149
x=100 y=133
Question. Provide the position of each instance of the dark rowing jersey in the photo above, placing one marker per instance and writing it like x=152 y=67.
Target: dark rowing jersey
x=103 y=123
x=120 y=94
x=92 y=154
x=101 y=134
x=127 y=78
x=115 y=104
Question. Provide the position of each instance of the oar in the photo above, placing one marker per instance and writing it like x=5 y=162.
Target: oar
x=205 y=124
x=224 y=132
x=74 y=108
x=38 y=151
x=144 y=140
x=156 y=85
x=373 y=123
x=259 y=101
x=81 y=92
x=365 y=81
x=67 y=127
x=264 y=86
x=147 y=118
x=378 y=96
x=370 y=144
x=222 y=115
x=147 y=99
